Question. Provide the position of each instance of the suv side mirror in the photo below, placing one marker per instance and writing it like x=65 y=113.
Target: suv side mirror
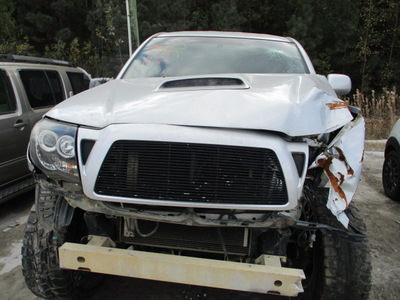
x=341 y=84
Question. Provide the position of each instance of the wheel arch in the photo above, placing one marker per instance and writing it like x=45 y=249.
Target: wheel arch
x=53 y=211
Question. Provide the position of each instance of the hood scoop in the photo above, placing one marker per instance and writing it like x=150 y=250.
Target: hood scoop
x=205 y=83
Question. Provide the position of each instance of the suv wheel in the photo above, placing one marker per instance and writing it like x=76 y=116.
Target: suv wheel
x=391 y=175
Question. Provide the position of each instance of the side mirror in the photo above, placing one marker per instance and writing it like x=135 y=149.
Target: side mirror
x=98 y=81
x=341 y=84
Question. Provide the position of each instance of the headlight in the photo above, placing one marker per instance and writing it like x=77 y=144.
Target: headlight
x=52 y=149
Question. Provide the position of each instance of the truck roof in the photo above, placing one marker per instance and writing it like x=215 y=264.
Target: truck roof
x=228 y=34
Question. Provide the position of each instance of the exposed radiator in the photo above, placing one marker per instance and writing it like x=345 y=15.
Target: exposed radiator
x=181 y=237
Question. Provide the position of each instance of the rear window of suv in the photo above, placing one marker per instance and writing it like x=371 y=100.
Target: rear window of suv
x=43 y=87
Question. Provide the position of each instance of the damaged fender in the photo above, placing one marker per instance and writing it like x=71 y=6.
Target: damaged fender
x=342 y=164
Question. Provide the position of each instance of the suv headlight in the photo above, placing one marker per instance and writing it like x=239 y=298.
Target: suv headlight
x=52 y=149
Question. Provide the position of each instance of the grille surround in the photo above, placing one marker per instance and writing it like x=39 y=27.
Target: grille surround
x=192 y=173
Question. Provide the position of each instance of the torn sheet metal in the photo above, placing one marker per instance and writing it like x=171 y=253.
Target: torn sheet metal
x=342 y=164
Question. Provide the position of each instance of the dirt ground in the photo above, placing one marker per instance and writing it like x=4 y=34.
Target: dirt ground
x=381 y=215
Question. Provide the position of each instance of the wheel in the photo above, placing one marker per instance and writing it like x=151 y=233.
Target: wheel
x=391 y=175
x=40 y=266
x=335 y=267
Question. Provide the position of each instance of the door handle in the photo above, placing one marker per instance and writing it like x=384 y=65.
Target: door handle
x=20 y=124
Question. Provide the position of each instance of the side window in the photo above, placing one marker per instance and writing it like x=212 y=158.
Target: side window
x=43 y=87
x=56 y=86
x=79 y=81
x=7 y=97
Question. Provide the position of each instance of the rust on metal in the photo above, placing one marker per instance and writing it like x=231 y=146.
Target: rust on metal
x=335 y=182
x=337 y=105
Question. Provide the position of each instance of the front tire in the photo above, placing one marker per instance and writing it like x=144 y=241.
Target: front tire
x=391 y=175
x=336 y=268
x=40 y=264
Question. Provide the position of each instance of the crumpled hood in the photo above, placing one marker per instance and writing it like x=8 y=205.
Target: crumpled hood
x=296 y=105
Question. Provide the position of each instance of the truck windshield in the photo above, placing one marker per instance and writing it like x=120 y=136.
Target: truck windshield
x=182 y=56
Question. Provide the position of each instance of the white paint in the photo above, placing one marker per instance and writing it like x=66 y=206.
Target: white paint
x=295 y=104
x=346 y=153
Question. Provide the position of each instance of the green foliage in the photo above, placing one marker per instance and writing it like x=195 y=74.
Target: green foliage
x=7 y=27
x=316 y=25
x=265 y=16
x=358 y=38
x=57 y=50
x=14 y=46
x=378 y=47
x=11 y=42
x=225 y=16
x=107 y=23
x=155 y=16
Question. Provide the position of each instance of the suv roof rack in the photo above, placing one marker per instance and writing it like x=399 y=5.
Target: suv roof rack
x=36 y=60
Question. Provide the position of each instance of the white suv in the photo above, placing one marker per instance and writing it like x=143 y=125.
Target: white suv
x=391 y=165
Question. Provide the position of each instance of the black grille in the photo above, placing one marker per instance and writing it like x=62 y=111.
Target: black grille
x=192 y=173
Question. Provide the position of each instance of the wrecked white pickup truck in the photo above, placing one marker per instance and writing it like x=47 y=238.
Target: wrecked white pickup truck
x=215 y=159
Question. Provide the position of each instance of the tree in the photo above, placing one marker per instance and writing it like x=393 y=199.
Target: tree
x=155 y=16
x=326 y=29
x=358 y=38
x=266 y=16
x=106 y=22
x=11 y=41
x=378 y=48
x=7 y=21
